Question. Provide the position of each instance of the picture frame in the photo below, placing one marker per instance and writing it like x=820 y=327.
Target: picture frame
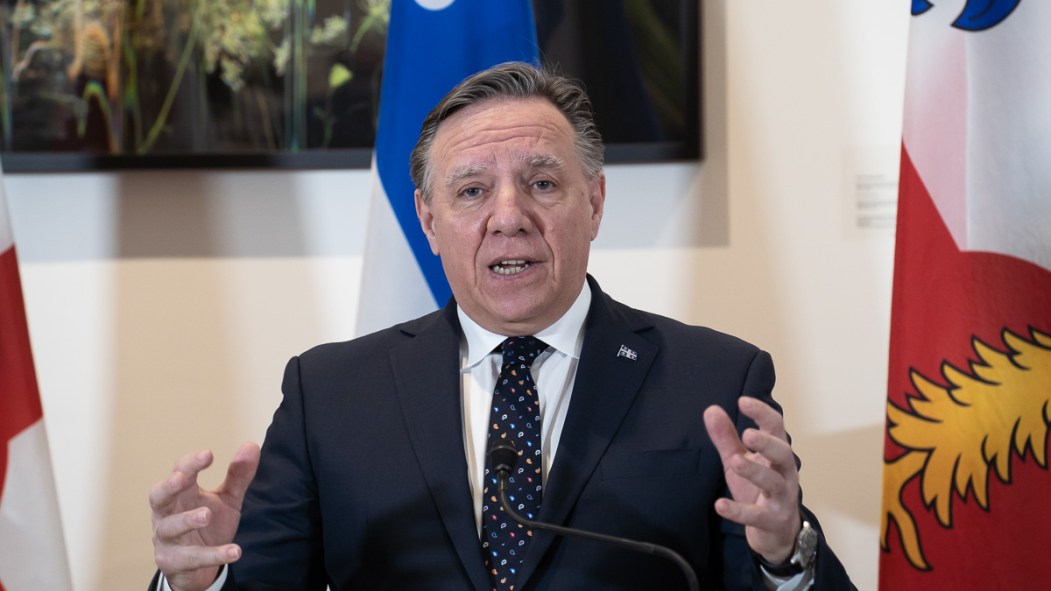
x=294 y=84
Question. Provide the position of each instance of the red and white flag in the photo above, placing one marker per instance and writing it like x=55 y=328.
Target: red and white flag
x=32 y=550
x=966 y=481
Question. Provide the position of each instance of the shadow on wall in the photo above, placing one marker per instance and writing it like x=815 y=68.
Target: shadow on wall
x=856 y=456
x=713 y=215
x=175 y=382
x=184 y=214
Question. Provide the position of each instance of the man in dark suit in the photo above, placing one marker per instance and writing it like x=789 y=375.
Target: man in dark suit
x=373 y=474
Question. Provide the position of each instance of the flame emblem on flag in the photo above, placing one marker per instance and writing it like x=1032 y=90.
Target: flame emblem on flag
x=955 y=434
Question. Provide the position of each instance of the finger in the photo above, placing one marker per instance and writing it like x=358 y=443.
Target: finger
x=165 y=494
x=174 y=526
x=192 y=463
x=723 y=434
x=241 y=472
x=177 y=559
x=768 y=419
x=776 y=451
x=764 y=517
x=162 y=493
x=742 y=513
x=771 y=533
x=769 y=481
x=182 y=477
x=746 y=514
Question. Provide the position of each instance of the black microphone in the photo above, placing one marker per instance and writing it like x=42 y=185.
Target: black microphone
x=502 y=458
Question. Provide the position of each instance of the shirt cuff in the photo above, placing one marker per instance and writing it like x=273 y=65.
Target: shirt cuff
x=800 y=582
x=216 y=586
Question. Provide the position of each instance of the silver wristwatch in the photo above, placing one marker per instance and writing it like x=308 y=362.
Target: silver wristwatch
x=806 y=547
x=802 y=558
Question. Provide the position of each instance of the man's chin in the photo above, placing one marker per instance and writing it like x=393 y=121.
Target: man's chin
x=517 y=319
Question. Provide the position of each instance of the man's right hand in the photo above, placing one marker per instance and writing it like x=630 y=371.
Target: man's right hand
x=193 y=528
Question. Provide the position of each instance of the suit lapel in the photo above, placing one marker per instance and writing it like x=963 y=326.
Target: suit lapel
x=428 y=386
x=607 y=382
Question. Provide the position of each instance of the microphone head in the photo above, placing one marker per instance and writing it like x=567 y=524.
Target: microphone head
x=502 y=458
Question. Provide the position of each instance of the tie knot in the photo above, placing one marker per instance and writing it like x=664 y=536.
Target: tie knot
x=522 y=350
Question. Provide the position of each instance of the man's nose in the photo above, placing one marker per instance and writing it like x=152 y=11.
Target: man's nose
x=511 y=211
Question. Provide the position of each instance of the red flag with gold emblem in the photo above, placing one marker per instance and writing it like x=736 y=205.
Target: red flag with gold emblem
x=32 y=551
x=965 y=479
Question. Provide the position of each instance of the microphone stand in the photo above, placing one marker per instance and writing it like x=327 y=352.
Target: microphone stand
x=503 y=471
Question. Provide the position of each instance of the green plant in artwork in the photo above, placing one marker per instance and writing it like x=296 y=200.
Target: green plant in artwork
x=376 y=20
x=338 y=76
x=221 y=37
x=136 y=76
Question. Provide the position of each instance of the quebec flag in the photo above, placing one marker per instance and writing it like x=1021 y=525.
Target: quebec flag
x=431 y=46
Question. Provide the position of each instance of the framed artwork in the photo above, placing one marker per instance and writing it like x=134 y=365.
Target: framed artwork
x=125 y=84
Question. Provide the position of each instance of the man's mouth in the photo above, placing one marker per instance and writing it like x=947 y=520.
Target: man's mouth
x=510 y=266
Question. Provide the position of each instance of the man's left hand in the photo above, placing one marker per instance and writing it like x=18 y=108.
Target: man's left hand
x=762 y=476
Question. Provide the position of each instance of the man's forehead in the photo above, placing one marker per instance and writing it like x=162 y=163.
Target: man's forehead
x=523 y=134
x=504 y=121
x=530 y=105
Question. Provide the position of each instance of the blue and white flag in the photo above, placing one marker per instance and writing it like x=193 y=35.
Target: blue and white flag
x=431 y=46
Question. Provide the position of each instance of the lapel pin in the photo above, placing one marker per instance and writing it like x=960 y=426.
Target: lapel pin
x=626 y=352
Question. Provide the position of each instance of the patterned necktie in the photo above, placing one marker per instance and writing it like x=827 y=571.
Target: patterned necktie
x=515 y=420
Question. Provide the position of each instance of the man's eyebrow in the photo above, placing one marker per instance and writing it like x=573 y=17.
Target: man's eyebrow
x=464 y=172
x=533 y=161
x=545 y=162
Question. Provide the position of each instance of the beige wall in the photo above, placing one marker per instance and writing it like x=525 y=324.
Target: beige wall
x=163 y=305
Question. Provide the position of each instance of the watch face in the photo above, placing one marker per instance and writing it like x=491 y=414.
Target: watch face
x=806 y=546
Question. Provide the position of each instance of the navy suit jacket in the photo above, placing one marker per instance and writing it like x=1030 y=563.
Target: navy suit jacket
x=363 y=478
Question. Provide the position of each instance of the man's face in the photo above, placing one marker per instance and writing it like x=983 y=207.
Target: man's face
x=512 y=213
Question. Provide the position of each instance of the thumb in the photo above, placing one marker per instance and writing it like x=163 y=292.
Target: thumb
x=241 y=471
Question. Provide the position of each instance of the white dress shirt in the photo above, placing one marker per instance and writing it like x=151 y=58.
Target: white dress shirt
x=554 y=372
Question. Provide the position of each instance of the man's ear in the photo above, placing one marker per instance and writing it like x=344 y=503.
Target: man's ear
x=597 y=198
x=423 y=212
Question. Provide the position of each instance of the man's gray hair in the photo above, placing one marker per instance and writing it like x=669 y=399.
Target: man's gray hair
x=517 y=80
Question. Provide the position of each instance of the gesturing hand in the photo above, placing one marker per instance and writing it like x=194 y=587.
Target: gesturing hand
x=762 y=476
x=193 y=528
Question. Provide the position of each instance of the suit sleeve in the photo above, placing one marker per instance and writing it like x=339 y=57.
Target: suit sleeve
x=280 y=529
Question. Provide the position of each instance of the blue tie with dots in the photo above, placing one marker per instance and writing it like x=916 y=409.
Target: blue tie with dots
x=515 y=420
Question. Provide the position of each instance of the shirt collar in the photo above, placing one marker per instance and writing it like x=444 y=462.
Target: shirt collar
x=566 y=335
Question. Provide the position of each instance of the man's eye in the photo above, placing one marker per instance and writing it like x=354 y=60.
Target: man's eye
x=471 y=192
x=544 y=185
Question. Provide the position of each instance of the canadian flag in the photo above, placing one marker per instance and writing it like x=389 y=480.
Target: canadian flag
x=32 y=550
